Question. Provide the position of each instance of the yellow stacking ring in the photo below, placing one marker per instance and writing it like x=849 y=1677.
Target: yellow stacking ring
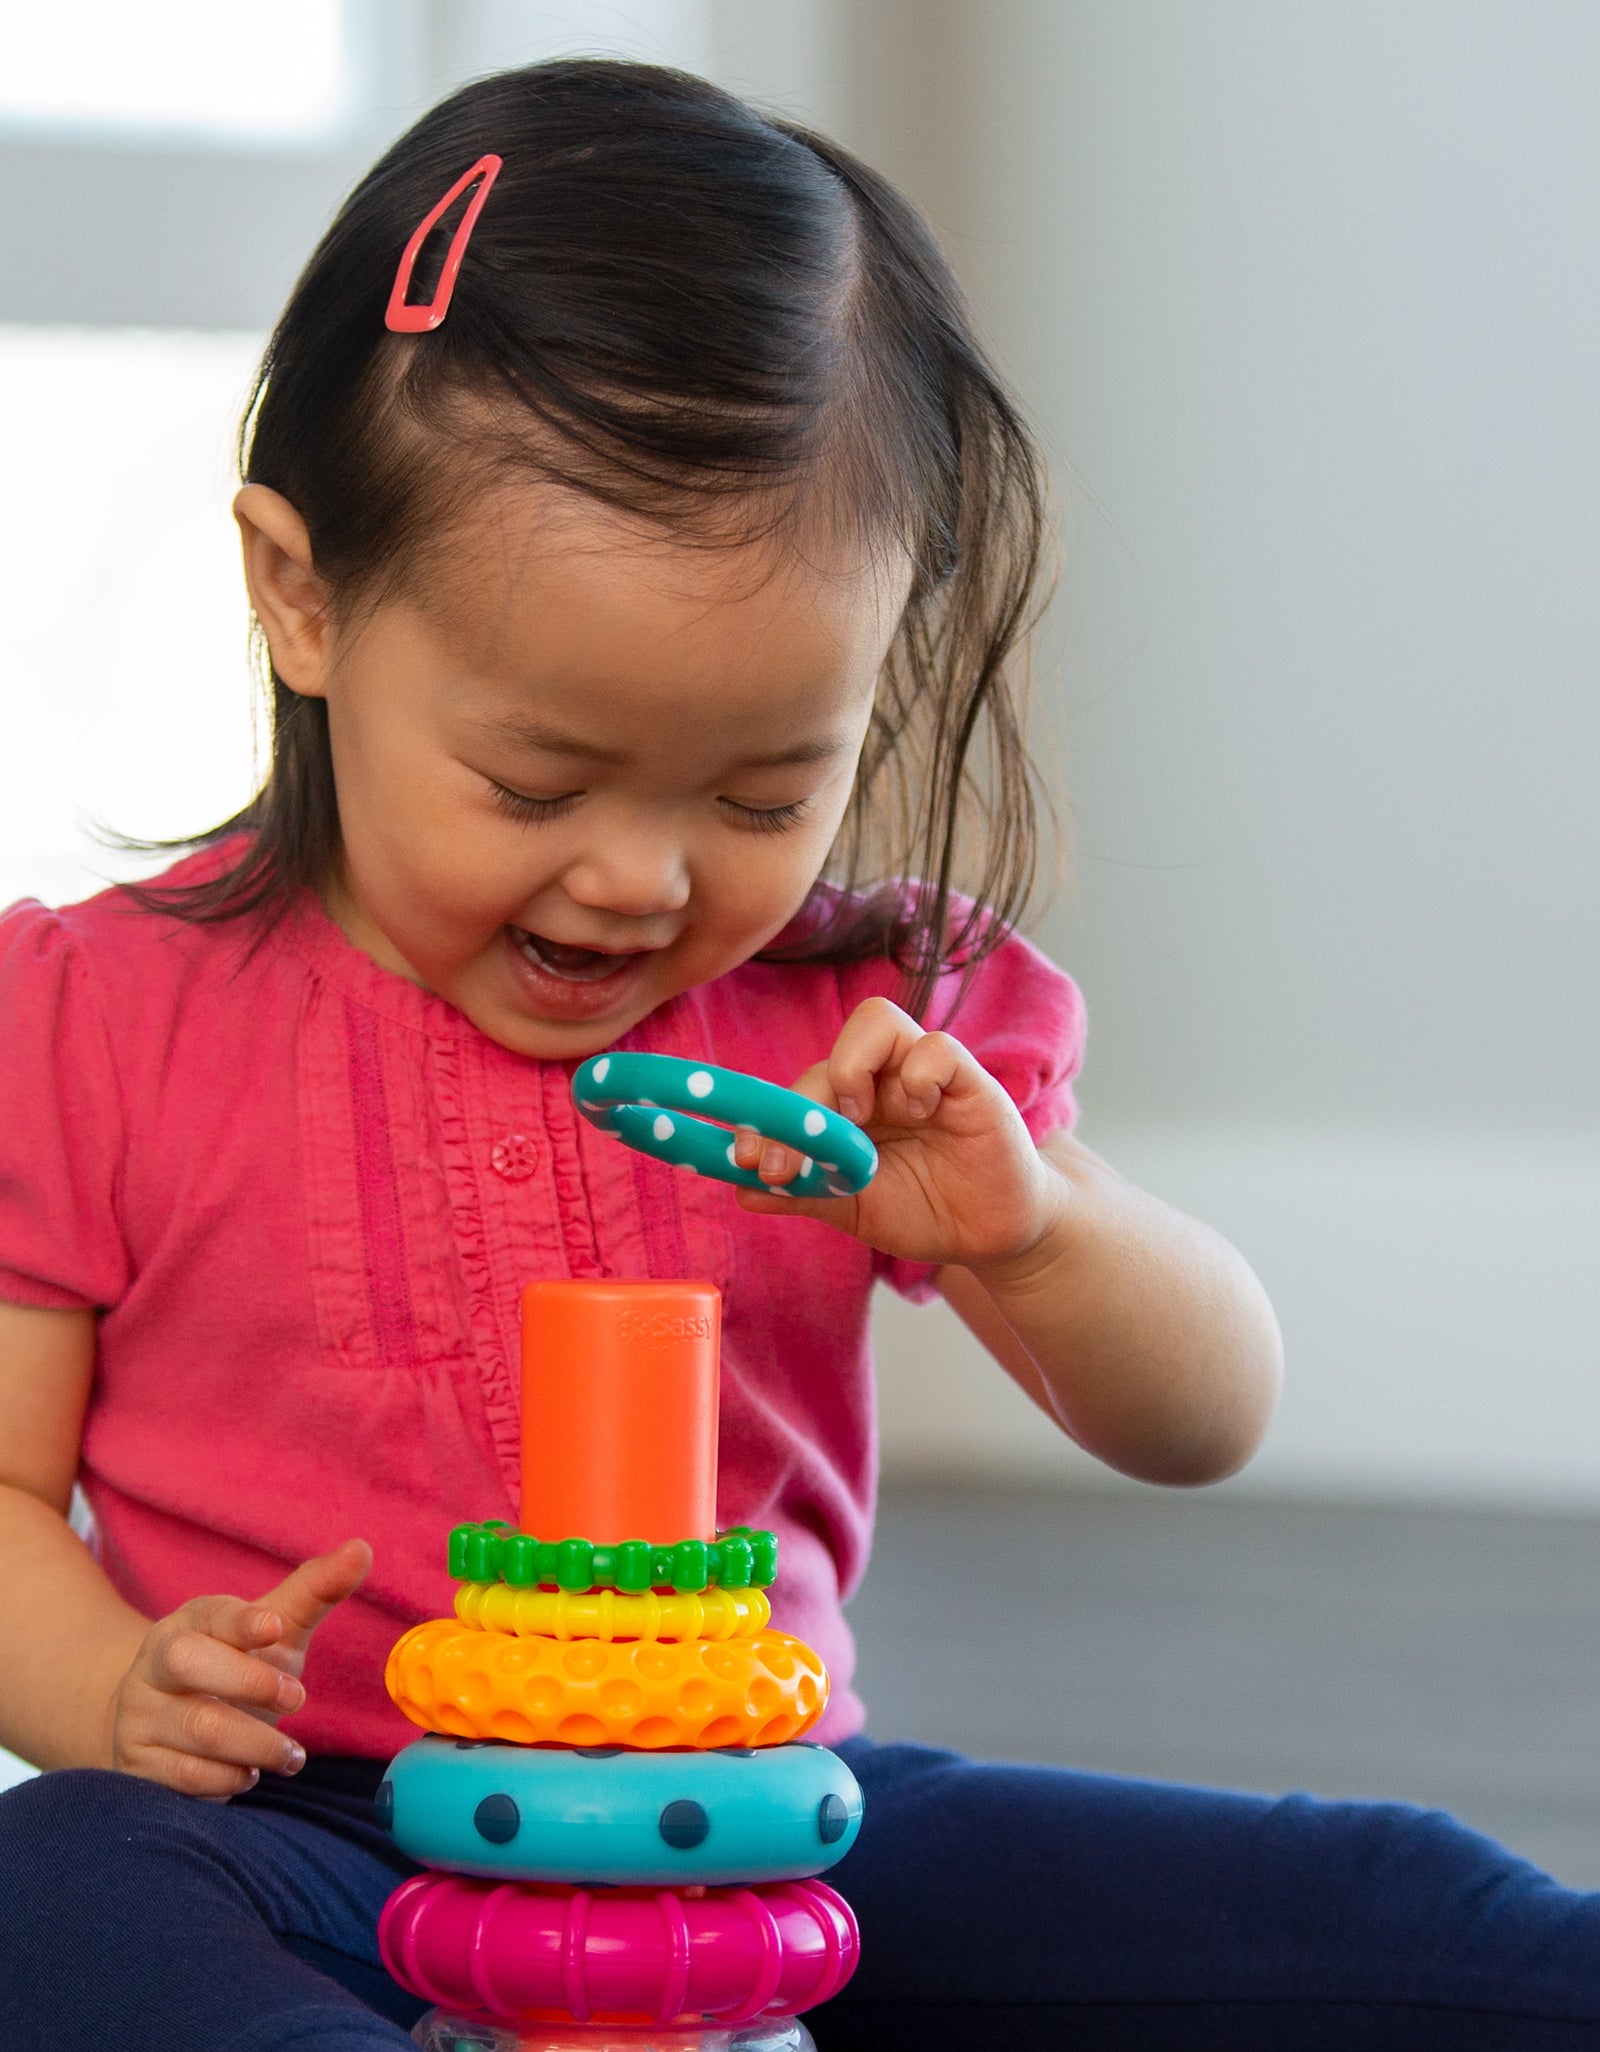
x=649 y=1693
x=608 y=1614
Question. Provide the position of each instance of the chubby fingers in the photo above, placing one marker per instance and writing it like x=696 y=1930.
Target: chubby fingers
x=872 y=1044
x=884 y=1070
x=932 y=1070
x=887 y=1069
x=774 y=1163
x=305 y=1596
x=200 y=1745
x=194 y=1710
x=873 y=1041
x=212 y=1646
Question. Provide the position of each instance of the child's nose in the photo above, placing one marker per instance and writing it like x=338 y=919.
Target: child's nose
x=633 y=876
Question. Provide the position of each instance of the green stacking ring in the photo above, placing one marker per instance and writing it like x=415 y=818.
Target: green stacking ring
x=681 y=1111
x=740 y=1558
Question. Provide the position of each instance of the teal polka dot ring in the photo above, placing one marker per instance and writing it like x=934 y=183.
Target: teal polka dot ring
x=681 y=1112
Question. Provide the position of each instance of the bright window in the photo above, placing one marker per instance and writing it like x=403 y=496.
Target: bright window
x=125 y=695
x=208 y=67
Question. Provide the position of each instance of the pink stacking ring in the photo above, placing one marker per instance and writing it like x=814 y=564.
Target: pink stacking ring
x=520 y=1951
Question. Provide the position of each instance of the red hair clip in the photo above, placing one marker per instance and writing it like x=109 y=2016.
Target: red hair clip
x=416 y=320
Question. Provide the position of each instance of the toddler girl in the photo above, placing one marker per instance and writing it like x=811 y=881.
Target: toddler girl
x=642 y=564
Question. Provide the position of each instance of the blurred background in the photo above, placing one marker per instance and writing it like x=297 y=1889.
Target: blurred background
x=1304 y=299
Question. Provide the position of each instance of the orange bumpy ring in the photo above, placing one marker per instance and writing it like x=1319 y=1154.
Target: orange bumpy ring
x=466 y=1683
x=608 y=1614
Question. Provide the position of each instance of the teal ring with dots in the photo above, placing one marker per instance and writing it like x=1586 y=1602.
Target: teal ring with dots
x=682 y=1112
x=610 y=1815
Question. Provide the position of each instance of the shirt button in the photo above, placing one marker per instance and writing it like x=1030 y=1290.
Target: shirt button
x=514 y=1156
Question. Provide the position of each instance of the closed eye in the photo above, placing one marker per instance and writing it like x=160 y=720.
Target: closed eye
x=766 y=819
x=529 y=811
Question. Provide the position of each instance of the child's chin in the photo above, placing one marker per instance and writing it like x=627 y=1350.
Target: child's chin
x=550 y=1040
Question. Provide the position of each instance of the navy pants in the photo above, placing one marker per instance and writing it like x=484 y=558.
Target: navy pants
x=999 y=1906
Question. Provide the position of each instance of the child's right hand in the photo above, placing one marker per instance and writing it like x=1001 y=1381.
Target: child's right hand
x=197 y=1707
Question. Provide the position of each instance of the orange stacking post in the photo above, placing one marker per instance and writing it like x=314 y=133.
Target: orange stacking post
x=619 y=1410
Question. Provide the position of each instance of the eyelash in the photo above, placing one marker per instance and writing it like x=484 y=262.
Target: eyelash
x=529 y=811
x=770 y=819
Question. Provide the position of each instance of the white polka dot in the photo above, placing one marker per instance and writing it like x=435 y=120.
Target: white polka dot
x=601 y=1069
x=663 y=1127
x=840 y=1189
x=701 y=1083
x=815 y=1122
x=733 y=1159
x=806 y=1164
x=831 y=1167
x=588 y=1104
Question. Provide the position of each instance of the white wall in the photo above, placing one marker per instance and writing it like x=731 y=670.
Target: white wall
x=1439 y=1292
x=1308 y=299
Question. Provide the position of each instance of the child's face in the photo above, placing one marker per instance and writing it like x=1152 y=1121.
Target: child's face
x=592 y=770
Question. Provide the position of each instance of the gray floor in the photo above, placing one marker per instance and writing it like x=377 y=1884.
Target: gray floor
x=1443 y=1657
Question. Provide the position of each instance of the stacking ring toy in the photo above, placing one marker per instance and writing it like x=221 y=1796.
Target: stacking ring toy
x=681 y=1111
x=449 y=1677
x=524 y=1952
x=739 y=1558
x=610 y=1814
x=561 y=1614
x=541 y=1813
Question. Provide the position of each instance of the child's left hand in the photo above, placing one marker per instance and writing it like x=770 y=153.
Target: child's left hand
x=959 y=1179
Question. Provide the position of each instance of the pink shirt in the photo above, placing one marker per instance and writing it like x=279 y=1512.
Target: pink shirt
x=303 y=1196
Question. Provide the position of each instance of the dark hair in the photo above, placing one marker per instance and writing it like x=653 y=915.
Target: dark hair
x=709 y=316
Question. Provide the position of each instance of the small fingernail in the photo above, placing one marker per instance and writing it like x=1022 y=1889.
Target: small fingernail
x=290 y=1694
x=771 y=1164
x=252 y=1776
x=294 y=1757
x=850 y=1107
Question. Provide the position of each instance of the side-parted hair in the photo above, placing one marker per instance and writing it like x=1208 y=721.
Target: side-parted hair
x=720 y=321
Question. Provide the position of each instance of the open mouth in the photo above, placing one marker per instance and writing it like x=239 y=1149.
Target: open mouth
x=570 y=964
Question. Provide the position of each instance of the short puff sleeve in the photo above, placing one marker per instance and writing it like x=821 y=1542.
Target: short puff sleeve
x=61 y=1124
x=1023 y=1018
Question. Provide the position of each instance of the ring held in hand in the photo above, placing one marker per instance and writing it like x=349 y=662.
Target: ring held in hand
x=681 y=1112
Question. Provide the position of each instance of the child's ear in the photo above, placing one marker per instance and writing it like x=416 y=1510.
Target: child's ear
x=290 y=599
